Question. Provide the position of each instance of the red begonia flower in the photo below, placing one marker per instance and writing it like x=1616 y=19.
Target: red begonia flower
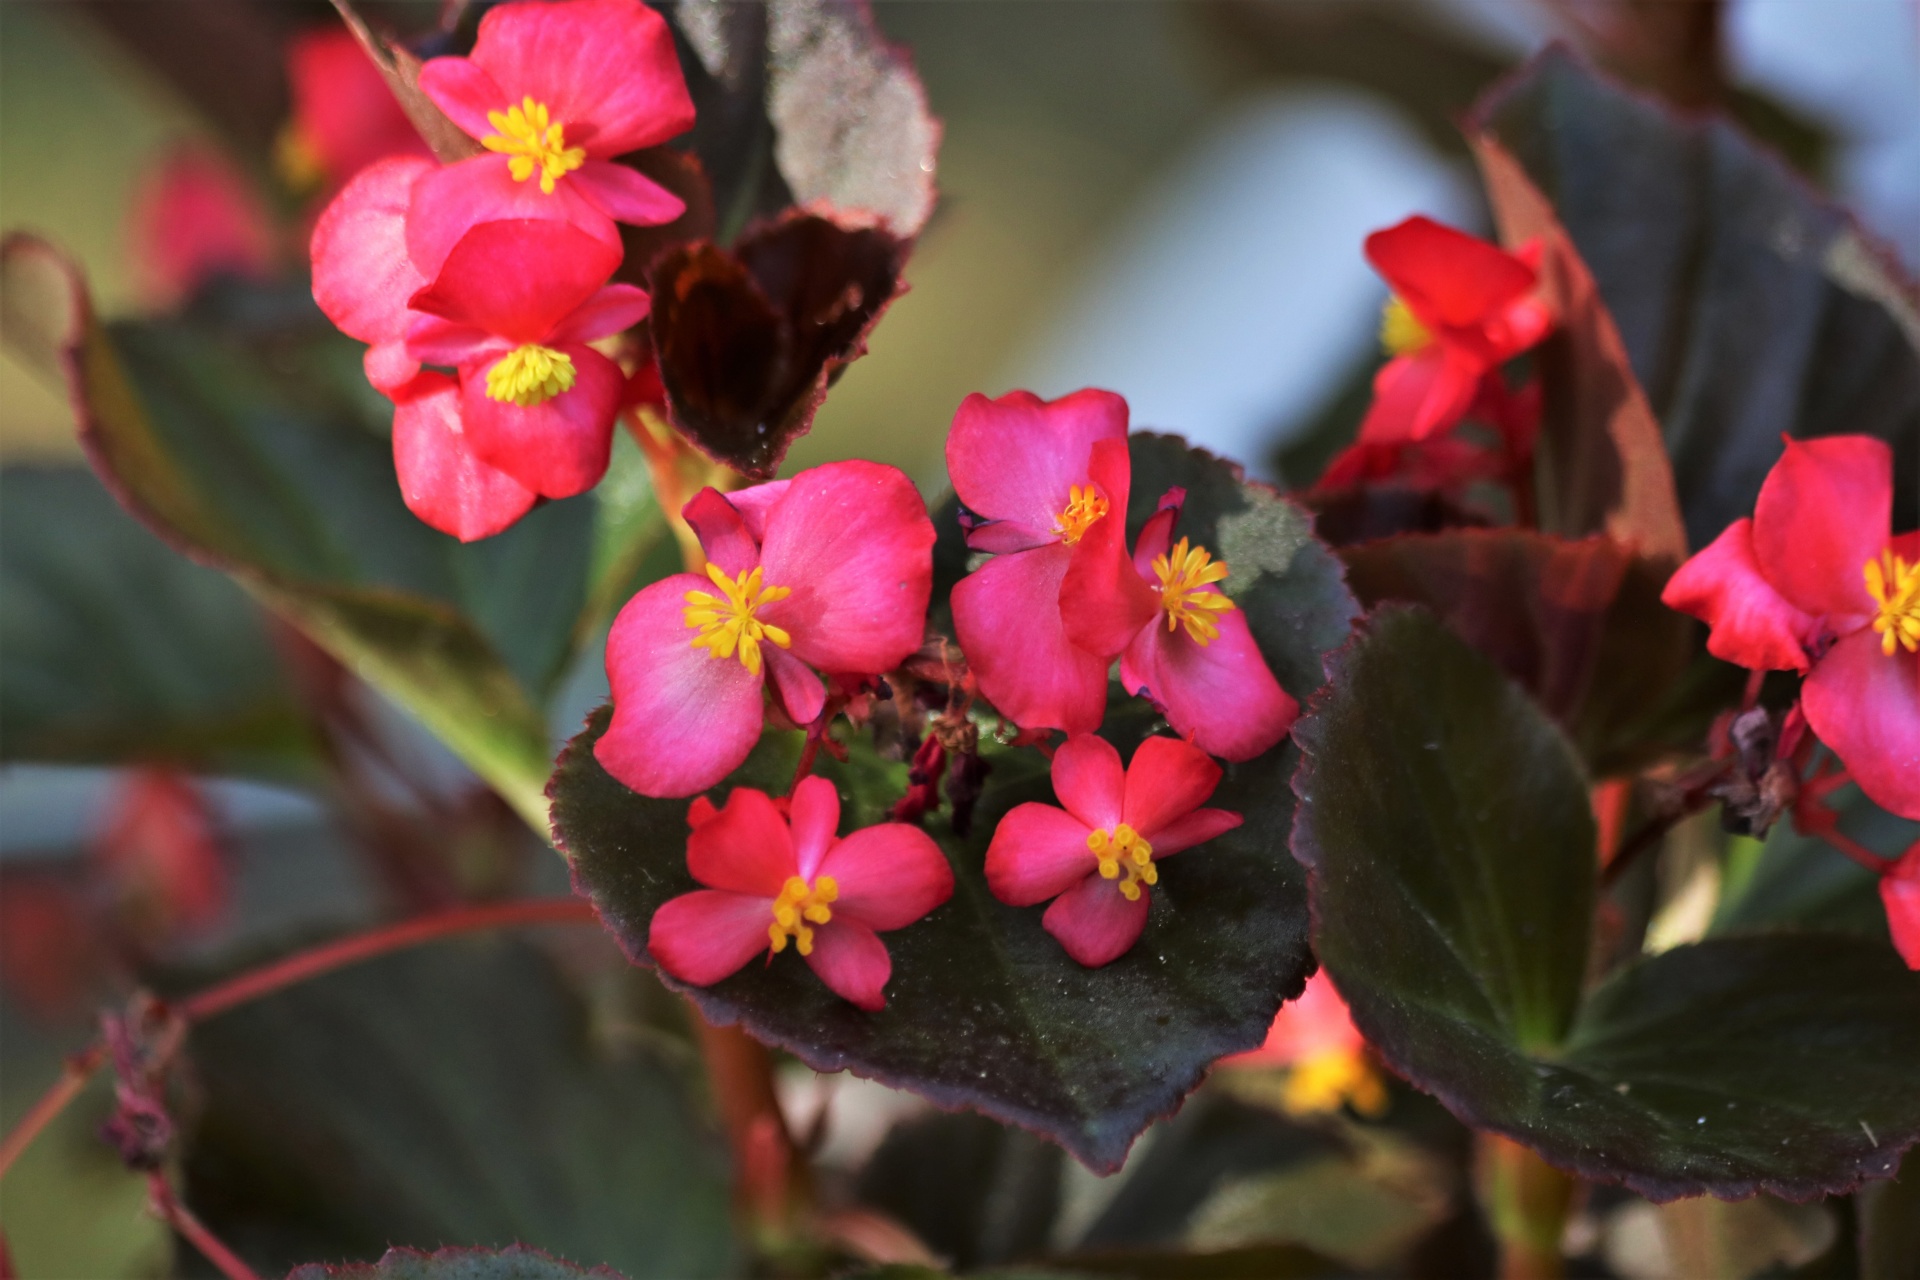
x=1314 y=1036
x=363 y=274
x=513 y=308
x=1900 y=894
x=195 y=218
x=1461 y=308
x=441 y=480
x=1816 y=582
x=770 y=881
x=829 y=572
x=1095 y=853
x=159 y=852
x=1046 y=484
x=344 y=116
x=554 y=92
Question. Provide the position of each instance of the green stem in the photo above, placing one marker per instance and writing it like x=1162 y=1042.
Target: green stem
x=1526 y=1202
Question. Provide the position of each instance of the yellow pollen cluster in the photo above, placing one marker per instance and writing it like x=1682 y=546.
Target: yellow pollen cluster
x=534 y=143
x=1122 y=849
x=1186 y=591
x=1085 y=508
x=1401 y=332
x=797 y=907
x=530 y=375
x=726 y=623
x=1895 y=586
x=1324 y=1081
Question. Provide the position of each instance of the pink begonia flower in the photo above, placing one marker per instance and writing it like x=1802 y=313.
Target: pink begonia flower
x=1900 y=895
x=1047 y=484
x=1095 y=854
x=513 y=308
x=441 y=480
x=1315 y=1038
x=1461 y=308
x=770 y=882
x=1816 y=582
x=827 y=572
x=344 y=116
x=194 y=218
x=554 y=92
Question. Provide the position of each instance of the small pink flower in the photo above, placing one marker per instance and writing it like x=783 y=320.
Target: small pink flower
x=1097 y=856
x=771 y=883
x=827 y=572
x=513 y=308
x=344 y=116
x=1314 y=1036
x=554 y=92
x=195 y=218
x=1046 y=483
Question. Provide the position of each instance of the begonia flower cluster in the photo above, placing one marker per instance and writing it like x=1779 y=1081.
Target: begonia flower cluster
x=479 y=285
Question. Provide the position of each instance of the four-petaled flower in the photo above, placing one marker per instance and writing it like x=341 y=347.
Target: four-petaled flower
x=1096 y=853
x=1815 y=582
x=771 y=884
x=828 y=572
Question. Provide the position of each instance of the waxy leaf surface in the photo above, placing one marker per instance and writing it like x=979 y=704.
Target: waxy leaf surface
x=512 y=1263
x=1444 y=819
x=984 y=1009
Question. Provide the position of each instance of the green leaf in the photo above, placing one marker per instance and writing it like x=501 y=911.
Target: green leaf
x=452 y=1094
x=1749 y=306
x=512 y=1263
x=118 y=650
x=1445 y=823
x=984 y=1009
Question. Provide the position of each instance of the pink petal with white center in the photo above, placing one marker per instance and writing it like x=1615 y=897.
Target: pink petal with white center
x=815 y=815
x=558 y=447
x=1824 y=511
x=802 y=694
x=1037 y=852
x=464 y=92
x=723 y=534
x=744 y=847
x=853 y=543
x=1197 y=827
x=1900 y=895
x=440 y=479
x=450 y=201
x=605 y=69
x=682 y=719
x=1103 y=601
x=1753 y=625
x=613 y=308
x=519 y=278
x=1095 y=922
x=1017 y=458
x=362 y=273
x=705 y=936
x=1089 y=780
x=1865 y=705
x=1167 y=779
x=853 y=962
x=1222 y=695
x=1006 y=616
x=889 y=875
x=626 y=195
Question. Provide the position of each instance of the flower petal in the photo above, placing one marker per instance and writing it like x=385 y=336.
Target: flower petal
x=803 y=696
x=389 y=368
x=853 y=962
x=1166 y=780
x=1447 y=277
x=722 y=532
x=362 y=274
x=1824 y=511
x=1089 y=780
x=557 y=448
x=1006 y=616
x=754 y=503
x=1095 y=923
x=1222 y=695
x=613 y=308
x=744 y=847
x=853 y=543
x=704 y=936
x=464 y=92
x=440 y=479
x=519 y=278
x=1104 y=602
x=626 y=195
x=1865 y=705
x=682 y=719
x=1753 y=625
x=1900 y=895
x=1197 y=827
x=1420 y=395
x=1017 y=458
x=815 y=810
x=450 y=201
x=889 y=875
x=1038 y=852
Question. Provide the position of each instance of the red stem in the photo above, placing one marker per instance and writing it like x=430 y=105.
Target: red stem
x=73 y=1078
x=181 y=1219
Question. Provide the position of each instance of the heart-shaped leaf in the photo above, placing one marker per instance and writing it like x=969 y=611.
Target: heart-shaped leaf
x=1445 y=823
x=515 y=1262
x=984 y=1009
x=1749 y=307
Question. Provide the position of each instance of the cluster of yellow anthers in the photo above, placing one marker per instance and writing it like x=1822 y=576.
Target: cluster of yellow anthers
x=1401 y=332
x=727 y=623
x=798 y=906
x=1186 y=591
x=1122 y=849
x=1325 y=1081
x=1085 y=508
x=536 y=143
x=1895 y=587
x=530 y=375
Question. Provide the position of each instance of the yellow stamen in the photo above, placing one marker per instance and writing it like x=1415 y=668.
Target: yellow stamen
x=799 y=906
x=530 y=375
x=1122 y=849
x=1895 y=587
x=728 y=624
x=1401 y=332
x=1327 y=1080
x=1186 y=581
x=1085 y=508
x=534 y=142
